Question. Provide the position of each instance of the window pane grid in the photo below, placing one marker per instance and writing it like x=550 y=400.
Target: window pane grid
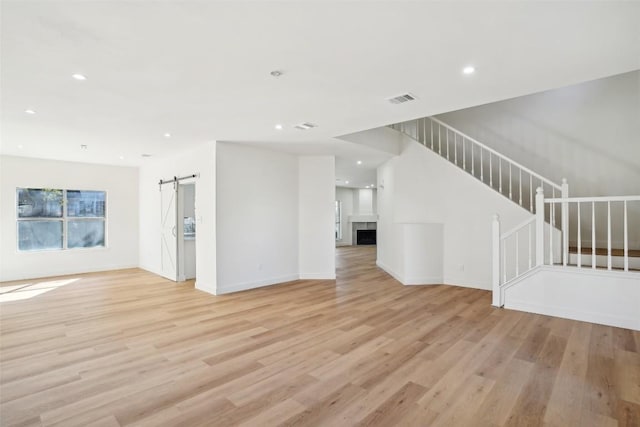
x=52 y=219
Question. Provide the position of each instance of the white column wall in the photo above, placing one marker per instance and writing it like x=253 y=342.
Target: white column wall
x=202 y=160
x=316 y=217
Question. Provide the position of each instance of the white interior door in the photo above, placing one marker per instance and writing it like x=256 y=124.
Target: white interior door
x=169 y=231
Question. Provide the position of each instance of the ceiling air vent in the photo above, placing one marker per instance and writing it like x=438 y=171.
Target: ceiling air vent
x=401 y=99
x=305 y=126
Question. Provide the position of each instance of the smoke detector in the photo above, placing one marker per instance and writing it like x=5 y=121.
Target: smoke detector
x=305 y=126
x=401 y=99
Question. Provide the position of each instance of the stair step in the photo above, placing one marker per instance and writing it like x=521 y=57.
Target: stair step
x=598 y=267
x=633 y=253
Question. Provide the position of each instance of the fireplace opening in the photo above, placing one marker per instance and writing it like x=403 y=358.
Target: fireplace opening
x=365 y=237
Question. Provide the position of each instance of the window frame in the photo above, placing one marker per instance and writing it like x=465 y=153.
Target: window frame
x=65 y=218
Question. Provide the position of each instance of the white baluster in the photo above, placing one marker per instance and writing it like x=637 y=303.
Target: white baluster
x=481 y=166
x=539 y=226
x=608 y=235
x=520 y=184
x=593 y=234
x=490 y=171
x=464 y=155
x=531 y=192
x=447 y=144
x=551 y=223
x=565 y=222
x=579 y=239
x=431 y=133
x=439 y=140
x=626 y=239
x=455 y=148
x=495 y=276
x=510 y=195
x=473 y=163
x=500 y=174
x=424 y=131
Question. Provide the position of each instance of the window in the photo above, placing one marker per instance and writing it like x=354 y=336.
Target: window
x=52 y=219
x=338 y=220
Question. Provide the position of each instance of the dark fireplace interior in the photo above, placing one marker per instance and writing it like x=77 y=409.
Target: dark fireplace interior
x=365 y=237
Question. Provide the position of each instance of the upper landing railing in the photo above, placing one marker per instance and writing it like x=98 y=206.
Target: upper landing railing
x=508 y=177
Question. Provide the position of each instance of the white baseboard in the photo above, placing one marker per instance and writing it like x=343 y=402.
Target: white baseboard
x=318 y=276
x=206 y=287
x=28 y=275
x=423 y=280
x=389 y=270
x=237 y=287
x=569 y=313
x=410 y=281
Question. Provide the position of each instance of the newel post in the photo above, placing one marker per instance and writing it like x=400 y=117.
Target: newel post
x=539 y=226
x=565 y=222
x=495 y=262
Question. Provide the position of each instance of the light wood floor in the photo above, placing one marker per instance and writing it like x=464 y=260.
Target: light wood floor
x=130 y=348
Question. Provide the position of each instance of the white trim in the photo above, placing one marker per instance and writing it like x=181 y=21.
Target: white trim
x=423 y=280
x=67 y=272
x=389 y=271
x=318 y=276
x=569 y=313
x=411 y=281
x=255 y=284
x=205 y=287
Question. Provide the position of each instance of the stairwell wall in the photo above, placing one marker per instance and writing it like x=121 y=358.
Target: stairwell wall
x=588 y=133
x=418 y=186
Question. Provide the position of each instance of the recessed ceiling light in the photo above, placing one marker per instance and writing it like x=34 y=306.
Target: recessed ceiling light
x=167 y=135
x=373 y=185
x=146 y=155
x=366 y=186
x=276 y=73
x=78 y=76
x=121 y=157
x=346 y=182
x=359 y=162
x=278 y=127
x=29 y=111
x=20 y=147
x=468 y=70
x=83 y=146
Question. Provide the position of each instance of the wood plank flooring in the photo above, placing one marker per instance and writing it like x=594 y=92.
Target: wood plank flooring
x=130 y=348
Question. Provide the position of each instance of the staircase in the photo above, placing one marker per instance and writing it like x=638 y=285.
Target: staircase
x=561 y=232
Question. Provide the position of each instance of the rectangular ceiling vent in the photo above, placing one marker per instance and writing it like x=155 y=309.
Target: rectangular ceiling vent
x=305 y=126
x=401 y=99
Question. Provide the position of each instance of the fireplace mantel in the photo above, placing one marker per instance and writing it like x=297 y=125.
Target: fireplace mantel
x=363 y=218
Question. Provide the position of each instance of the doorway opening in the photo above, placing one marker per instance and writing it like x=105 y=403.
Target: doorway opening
x=178 y=229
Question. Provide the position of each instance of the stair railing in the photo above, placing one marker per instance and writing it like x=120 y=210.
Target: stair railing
x=587 y=207
x=537 y=242
x=508 y=177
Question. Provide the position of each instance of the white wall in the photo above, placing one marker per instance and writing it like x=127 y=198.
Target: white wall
x=200 y=160
x=588 y=133
x=257 y=217
x=421 y=187
x=317 y=217
x=120 y=183
x=345 y=195
x=610 y=298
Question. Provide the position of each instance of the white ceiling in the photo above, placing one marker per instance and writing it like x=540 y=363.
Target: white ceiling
x=200 y=70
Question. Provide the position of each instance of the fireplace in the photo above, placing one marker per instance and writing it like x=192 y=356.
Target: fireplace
x=365 y=237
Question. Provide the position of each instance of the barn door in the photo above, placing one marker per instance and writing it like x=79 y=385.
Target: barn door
x=169 y=231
